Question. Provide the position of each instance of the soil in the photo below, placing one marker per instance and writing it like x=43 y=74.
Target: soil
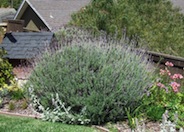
x=18 y=108
x=148 y=126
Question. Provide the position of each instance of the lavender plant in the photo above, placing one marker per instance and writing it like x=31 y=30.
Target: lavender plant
x=97 y=78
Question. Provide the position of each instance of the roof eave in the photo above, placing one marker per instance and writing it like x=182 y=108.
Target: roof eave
x=19 y=10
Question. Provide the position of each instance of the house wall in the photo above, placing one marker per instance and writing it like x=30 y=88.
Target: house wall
x=32 y=21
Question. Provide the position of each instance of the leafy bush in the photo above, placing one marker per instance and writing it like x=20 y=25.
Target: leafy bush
x=11 y=91
x=154 y=21
x=95 y=79
x=8 y=85
x=5 y=70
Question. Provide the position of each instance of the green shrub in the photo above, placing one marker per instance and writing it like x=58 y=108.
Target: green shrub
x=11 y=105
x=24 y=104
x=9 y=3
x=8 y=85
x=98 y=80
x=5 y=70
x=154 y=21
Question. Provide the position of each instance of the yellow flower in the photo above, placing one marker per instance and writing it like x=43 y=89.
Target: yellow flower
x=1 y=89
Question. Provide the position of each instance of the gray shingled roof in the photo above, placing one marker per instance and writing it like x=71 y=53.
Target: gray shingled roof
x=55 y=13
x=25 y=45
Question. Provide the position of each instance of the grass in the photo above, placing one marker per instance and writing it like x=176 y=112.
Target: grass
x=20 y=124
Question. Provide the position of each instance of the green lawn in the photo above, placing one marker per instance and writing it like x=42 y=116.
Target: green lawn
x=20 y=124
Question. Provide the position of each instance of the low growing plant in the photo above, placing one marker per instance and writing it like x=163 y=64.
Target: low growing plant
x=11 y=105
x=165 y=126
x=11 y=91
x=165 y=95
x=24 y=104
x=59 y=113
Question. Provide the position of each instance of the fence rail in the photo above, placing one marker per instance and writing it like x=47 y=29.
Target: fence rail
x=162 y=58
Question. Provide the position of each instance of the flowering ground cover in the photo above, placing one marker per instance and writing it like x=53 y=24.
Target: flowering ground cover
x=166 y=94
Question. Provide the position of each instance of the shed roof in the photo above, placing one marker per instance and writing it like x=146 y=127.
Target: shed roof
x=25 y=45
x=54 y=13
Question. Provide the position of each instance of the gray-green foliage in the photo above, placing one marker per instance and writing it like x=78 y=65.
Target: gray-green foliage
x=59 y=113
x=70 y=34
x=165 y=126
x=95 y=78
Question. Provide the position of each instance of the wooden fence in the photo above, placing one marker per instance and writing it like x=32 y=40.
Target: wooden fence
x=162 y=58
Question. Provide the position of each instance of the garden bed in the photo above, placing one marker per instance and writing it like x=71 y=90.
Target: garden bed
x=30 y=113
x=84 y=84
x=17 y=109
